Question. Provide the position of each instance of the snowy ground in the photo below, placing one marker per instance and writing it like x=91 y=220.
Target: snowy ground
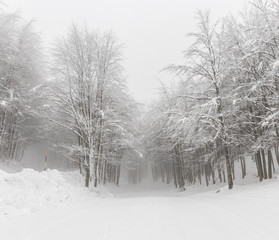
x=64 y=210
x=28 y=191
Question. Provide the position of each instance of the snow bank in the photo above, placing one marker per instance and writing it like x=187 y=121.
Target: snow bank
x=30 y=191
x=10 y=166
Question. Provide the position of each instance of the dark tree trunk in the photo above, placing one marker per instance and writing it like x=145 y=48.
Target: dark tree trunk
x=105 y=172
x=270 y=161
x=87 y=176
x=276 y=153
x=199 y=175
x=273 y=167
x=243 y=166
x=178 y=164
x=233 y=171
x=264 y=164
x=118 y=175
x=228 y=165
x=206 y=175
x=259 y=165
x=213 y=174
x=174 y=174
x=95 y=173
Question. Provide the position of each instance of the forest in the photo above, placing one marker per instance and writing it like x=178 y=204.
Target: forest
x=222 y=105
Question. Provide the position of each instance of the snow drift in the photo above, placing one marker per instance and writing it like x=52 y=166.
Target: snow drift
x=29 y=191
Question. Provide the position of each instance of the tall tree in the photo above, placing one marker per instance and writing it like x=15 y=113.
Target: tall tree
x=205 y=62
x=20 y=70
x=90 y=92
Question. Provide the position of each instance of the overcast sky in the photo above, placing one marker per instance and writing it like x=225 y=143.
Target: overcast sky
x=152 y=31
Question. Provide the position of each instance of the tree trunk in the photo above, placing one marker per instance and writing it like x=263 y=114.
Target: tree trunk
x=87 y=176
x=276 y=153
x=213 y=174
x=233 y=171
x=243 y=166
x=270 y=160
x=174 y=175
x=205 y=174
x=118 y=175
x=264 y=164
x=228 y=165
x=199 y=175
x=178 y=163
x=259 y=165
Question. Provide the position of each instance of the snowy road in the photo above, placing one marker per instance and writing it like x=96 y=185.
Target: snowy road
x=246 y=213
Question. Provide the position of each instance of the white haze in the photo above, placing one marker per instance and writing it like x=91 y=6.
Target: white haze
x=153 y=32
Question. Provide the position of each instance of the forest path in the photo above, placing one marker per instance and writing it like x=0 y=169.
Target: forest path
x=158 y=212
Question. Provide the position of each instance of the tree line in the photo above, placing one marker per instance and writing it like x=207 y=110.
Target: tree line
x=224 y=105
x=20 y=73
x=75 y=98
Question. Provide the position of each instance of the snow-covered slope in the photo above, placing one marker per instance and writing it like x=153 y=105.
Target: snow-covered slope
x=31 y=191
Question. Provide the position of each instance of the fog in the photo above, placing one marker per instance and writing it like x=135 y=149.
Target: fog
x=154 y=33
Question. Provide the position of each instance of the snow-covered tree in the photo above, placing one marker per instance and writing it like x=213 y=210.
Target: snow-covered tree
x=20 y=73
x=225 y=104
x=90 y=92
